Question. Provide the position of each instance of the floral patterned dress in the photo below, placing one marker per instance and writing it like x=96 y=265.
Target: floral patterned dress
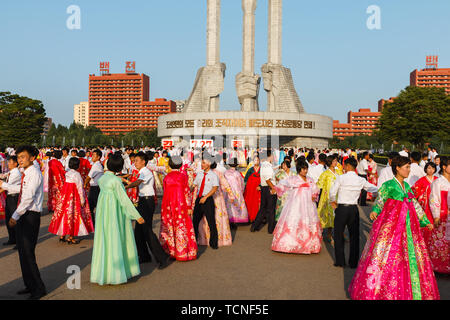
x=281 y=201
x=422 y=191
x=438 y=244
x=237 y=210
x=395 y=264
x=177 y=234
x=222 y=221
x=72 y=215
x=56 y=178
x=372 y=177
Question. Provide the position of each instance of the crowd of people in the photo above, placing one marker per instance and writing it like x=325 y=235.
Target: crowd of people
x=305 y=196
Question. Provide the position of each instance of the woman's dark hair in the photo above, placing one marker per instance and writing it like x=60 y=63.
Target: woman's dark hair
x=115 y=163
x=330 y=160
x=74 y=163
x=57 y=154
x=150 y=155
x=233 y=163
x=301 y=165
x=430 y=164
x=213 y=165
x=81 y=154
x=49 y=153
x=399 y=162
x=310 y=157
x=371 y=156
x=287 y=162
x=175 y=162
x=444 y=163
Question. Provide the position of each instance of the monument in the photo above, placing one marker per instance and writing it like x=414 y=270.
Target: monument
x=285 y=123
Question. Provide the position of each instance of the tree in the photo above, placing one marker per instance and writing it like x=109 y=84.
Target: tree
x=21 y=119
x=417 y=115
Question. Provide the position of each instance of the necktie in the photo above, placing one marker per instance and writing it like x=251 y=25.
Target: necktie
x=202 y=186
x=21 y=187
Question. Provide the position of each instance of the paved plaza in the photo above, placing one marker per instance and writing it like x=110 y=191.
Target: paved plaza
x=246 y=270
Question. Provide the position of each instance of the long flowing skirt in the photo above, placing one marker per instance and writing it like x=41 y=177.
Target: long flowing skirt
x=438 y=248
x=252 y=199
x=222 y=224
x=70 y=218
x=395 y=264
x=298 y=230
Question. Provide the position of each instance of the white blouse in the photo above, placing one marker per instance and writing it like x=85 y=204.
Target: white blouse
x=73 y=176
x=438 y=185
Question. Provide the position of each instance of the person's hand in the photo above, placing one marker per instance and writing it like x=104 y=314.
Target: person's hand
x=203 y=200
x=190 y=212
x=141 y=220
x=334 y=205
x=430 y=227
x=258 y=188
x=12 y=223
x=437 y=221
x=373 y=216
x=273 y=191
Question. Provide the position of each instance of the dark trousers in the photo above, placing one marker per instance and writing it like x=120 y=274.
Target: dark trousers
x=94 y=191
x=208 y=209
x=363 y=195
x=144 y=235
x=266 y=211
x=10 y=207
x=346 y=216
x=27 y=232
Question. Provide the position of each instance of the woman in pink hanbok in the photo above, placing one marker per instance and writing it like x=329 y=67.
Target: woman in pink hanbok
x=395 y=264
x=438 y=245
x=298 y=229
x=234 y=198
x=222 y=222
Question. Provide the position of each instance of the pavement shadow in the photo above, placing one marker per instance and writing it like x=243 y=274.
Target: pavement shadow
x=53 y=276
x=43 y=236
x=348 y=273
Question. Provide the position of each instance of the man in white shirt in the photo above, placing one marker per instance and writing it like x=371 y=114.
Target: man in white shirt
x=65 y=158
x=143 y=233
x=268 y=195
x=94 y=175
x=13 y=180
x=27 y=220
x=208 y=184
x=416 y=171
x=363 y=170
x=424 y=161
x=348 y=186
x=386 y=174
x=315 y=172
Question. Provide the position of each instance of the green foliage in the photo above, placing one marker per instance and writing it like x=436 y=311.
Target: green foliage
x=21 y=119
x=417 y=116
x=77 y=135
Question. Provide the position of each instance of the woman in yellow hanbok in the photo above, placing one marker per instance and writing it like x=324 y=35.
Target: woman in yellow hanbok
x=325 y=211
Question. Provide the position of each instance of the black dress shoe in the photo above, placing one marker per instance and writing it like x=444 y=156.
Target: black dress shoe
x=338 y=265
x=23 y=291
x=215 y=247
x=15 y=247
x=37 y=296
x=164 y=264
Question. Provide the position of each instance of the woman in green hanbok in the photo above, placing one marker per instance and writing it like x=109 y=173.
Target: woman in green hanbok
x=114 y=257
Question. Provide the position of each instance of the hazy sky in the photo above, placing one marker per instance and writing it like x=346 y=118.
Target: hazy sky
x=338 y=64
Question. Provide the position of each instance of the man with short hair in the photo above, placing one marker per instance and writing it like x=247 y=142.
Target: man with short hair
x=416 y=171
x=208 y=184
x=268 y=195
x=344 y=198
x=27 y=220
x=94 y=175
x=386 y=174
x=363 y=169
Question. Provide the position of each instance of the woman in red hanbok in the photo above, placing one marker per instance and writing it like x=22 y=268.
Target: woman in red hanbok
x=56 y=178
x=177 y=234
x=252 y=193
x=372 y=175
x=438 y=245
x=72 y=216
x=422 y=191
x=85 y=165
